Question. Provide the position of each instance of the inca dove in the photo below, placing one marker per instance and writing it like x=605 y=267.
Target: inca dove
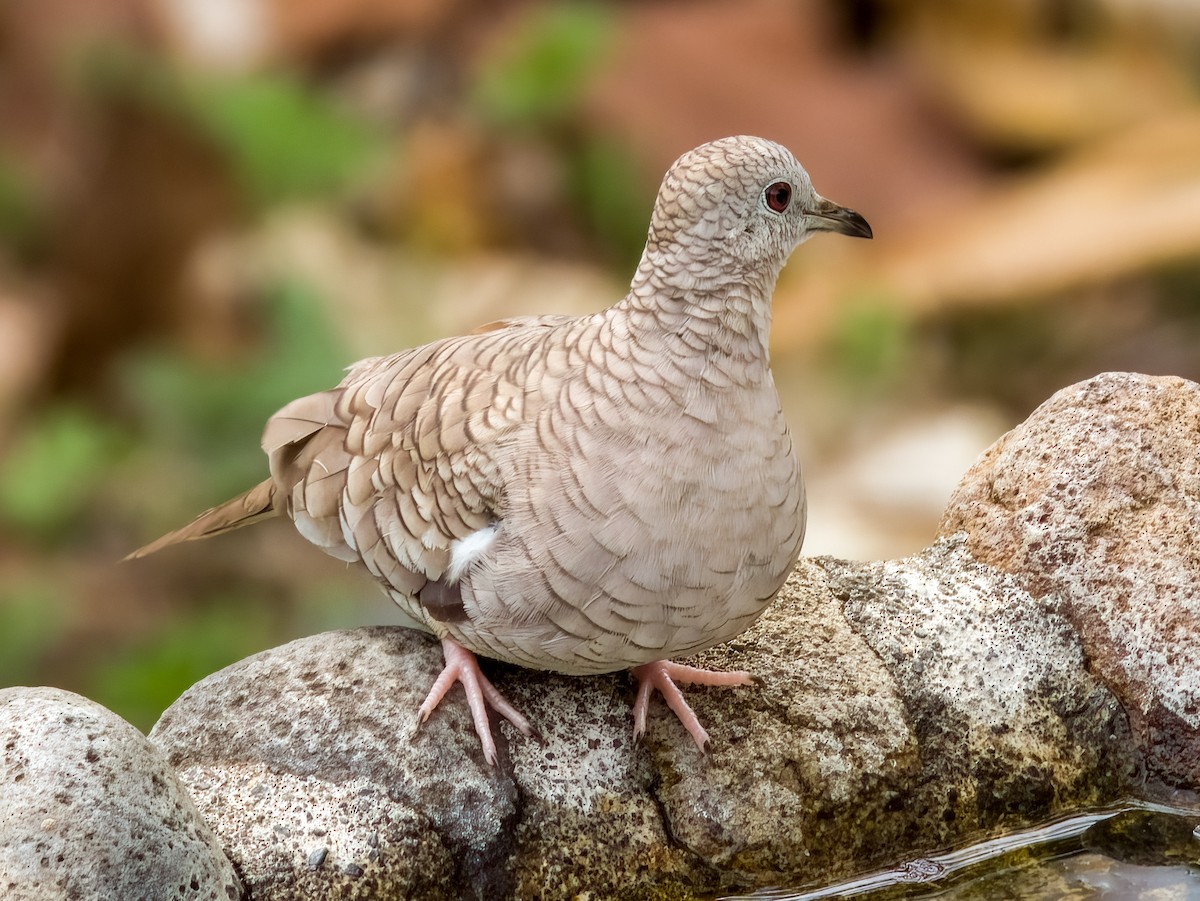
x=584 y=494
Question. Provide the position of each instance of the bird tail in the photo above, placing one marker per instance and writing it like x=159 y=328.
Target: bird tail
x=256 y=504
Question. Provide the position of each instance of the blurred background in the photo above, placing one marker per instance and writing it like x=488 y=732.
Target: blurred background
x=209 y=207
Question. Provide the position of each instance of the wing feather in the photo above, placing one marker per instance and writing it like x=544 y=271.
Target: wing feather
x=398 y=461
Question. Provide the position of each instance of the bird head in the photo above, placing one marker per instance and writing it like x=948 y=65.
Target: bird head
x=739 y=205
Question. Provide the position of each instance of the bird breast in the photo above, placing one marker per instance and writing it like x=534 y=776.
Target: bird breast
x=643 y=516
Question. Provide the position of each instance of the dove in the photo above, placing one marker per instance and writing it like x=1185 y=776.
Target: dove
x=579 y=495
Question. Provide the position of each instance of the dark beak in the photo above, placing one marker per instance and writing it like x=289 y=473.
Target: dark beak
x=828 y=216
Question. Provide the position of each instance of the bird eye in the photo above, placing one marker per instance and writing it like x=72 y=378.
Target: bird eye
x=778 y=196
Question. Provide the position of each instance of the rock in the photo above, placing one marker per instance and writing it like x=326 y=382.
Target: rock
x=91 y=811
x=905 y=705
x=1094 y=504
x=909 y=704
x=304 y=760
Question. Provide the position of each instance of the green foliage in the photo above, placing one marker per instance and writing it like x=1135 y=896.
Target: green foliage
x=50 y=474
x=538 y=84
x=542 y=76
x=214 y=414
x=609 y=189
x=31 y=616
x=20 y=206
x=872 y=342
x=147 y=677
x=284 y=139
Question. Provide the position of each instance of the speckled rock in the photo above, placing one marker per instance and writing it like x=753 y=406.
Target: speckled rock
x=908 y=704
x=305 y=761
x=1094 y=503
x=91 y=811
x=904 y=706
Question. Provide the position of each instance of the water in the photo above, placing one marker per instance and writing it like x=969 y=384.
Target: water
x=1137 y=851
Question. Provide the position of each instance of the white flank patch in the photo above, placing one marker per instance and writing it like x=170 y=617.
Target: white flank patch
x=465 y=551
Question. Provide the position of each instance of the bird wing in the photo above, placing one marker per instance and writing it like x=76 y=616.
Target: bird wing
x=399 y=460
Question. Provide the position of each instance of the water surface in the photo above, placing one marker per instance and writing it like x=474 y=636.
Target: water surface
x=1136 y=851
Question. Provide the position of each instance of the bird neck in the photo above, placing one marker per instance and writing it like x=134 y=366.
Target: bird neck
x=718 y=322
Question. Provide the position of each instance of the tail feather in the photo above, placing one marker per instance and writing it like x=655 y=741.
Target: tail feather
x=256 y=504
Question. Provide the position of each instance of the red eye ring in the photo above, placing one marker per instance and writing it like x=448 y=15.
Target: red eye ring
x=778 y=196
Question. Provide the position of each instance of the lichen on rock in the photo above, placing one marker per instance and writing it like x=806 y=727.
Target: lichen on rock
x=1094 y=503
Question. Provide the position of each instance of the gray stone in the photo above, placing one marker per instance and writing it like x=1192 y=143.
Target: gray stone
x=1094 y=503
x=91 y=811
x=305 y=761
x=908 y=704
x=844 y=758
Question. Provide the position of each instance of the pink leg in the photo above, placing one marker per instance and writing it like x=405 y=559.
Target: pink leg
x=461 y=666
x=662 y=674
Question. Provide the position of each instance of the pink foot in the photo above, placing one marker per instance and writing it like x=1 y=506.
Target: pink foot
x=662 y=674
x=461 y=666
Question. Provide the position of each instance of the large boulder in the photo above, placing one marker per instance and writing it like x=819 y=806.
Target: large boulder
x=305 y=761
x=905 y=705
x=91 y=811
x=1094 y=504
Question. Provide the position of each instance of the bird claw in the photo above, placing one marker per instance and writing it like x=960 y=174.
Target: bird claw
x=463 y=667
x=663 y=675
